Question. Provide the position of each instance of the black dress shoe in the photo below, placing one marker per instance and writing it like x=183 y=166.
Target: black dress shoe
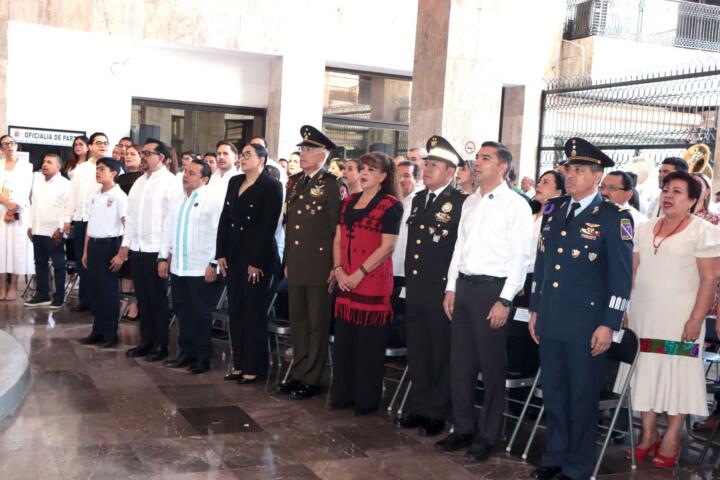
x=91 y=339
x=286 y=388
x=412 y=420
x=562 y=476
x=159 y=353
x=479 y=452
x=139 y=351
x=431 y=427
x=545 y=473
x=232 y=377
x=245 y=381
x=361 y=411
x=109 y=343
x=180 y=361
x=341 y=405
x=79 y=308
x=304 y=391
x=200 y=366
x=454 y=442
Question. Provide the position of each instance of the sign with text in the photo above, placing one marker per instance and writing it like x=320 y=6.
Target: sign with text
x=44 y=136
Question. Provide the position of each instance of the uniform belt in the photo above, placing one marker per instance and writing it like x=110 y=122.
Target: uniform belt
x=103 y=239
x=480 y=278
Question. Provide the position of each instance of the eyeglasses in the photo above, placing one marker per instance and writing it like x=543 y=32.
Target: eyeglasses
x=11 y=143
x=100 y=143
x=148 y=153
x=611 y=188
x=247 y=154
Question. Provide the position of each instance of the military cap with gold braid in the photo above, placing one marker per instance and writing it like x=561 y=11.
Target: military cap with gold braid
x=581 y=151
x=312 y=137
x=440 y=149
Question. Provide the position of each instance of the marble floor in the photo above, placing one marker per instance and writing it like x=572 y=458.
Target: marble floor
x=94 y=414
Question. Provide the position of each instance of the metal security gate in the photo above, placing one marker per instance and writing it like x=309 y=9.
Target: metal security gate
x=653 y=115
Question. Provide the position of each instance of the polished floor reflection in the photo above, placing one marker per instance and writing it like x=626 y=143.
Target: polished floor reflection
x=94 y=413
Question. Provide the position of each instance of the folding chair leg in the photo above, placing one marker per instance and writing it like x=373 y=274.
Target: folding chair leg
x=709 y=441
x=533 y=432
x=609 y=433
x=523 y=413
x=332 y=373
x=287 y=372
x=631 y=432
x=402 y=404
x=397 y=390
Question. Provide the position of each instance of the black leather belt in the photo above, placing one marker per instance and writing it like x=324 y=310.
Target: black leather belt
x=480 y=278
x=103 y=239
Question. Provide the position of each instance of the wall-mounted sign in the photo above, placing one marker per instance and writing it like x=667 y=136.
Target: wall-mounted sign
x=469 y=147
x=43 y=136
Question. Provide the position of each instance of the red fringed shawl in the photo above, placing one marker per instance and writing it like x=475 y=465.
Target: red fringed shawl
x=368 y=304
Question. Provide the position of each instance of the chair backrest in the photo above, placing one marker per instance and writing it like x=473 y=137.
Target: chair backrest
x=627 y=350
x=710 y=333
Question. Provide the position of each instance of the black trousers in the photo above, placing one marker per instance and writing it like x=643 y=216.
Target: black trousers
x=310 y=321
x=46 y=251
x=475 y=348
x=428 y=346
x=151 y=294
x=192 y=300
x=103 y=285
x=78 y=233
x=247 y=307
x=359 y=365
x=571 y=380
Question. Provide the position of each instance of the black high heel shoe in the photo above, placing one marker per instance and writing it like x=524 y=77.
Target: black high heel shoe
x=245 y=380
x=231 y=377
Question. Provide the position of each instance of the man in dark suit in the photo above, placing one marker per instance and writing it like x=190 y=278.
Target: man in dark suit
x=312 y=211
x=432 y=231
x=581 y=287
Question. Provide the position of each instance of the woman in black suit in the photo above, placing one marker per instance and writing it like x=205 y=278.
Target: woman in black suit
x=247 y=255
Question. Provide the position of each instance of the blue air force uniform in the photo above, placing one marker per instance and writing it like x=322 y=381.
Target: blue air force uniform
x=582 y=280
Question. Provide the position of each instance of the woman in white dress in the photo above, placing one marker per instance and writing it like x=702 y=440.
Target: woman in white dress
x=674 y=264
x=79 y=154
x=16 y=253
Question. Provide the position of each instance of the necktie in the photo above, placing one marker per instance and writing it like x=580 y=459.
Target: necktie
x=571 y=215
x=306 y=180
x=431 y=199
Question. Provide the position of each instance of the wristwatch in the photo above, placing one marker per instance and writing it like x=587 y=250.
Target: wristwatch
x=213 y=264
x=504 y=302
x=160 y=260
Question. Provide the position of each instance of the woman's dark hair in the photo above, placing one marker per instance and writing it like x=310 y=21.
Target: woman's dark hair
x=74 y=159
x=7 y=136
x=260 y=151
x=693 y=185
x=559 y=180
x=702 y=178
x=384 y=163
x=635 y=199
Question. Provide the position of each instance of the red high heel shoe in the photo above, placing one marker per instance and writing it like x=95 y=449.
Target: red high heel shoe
x=661 y=461
x=641 y=453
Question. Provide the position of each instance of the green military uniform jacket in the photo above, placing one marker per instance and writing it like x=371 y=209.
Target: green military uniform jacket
x=312 y=212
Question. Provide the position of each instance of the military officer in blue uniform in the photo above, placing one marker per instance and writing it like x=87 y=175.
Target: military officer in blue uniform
x=432 y=231
x=580 y=290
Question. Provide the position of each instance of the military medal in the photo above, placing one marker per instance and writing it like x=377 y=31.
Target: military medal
x=575 y=253
x=436 y=238
x=446 y=207
x=589 y=231
x=431 y=230
x=592 y=256
x=442 y=217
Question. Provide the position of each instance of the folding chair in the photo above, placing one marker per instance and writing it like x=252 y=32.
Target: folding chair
x=395 y=354
x=278 y=328
x=712 y=387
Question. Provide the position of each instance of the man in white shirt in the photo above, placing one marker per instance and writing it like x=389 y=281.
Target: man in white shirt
x=617 y=187
x=417 y=155
x=49 y=196
x=83 y=188
x=527 y=185
x=188 y=255
x=487 y=270
x=148 y=205
x=101 y=256
x=669 y=165
x=226 y=154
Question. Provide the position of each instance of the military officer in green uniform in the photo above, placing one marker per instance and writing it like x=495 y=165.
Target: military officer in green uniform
x=432 y=231
x=581 y=288
x=312 y=211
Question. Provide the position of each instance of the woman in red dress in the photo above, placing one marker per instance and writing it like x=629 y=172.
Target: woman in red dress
x=364 y=241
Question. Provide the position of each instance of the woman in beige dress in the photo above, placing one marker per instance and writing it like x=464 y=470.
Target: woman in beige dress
x=675 y=258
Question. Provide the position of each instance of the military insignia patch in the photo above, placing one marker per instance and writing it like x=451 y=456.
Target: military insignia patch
x=549 y=208
x=626 y=229
x=575 y=253
x=592 y=256
x=589 y=231
x=442 y=217
x=446 y=207
x=595 y=209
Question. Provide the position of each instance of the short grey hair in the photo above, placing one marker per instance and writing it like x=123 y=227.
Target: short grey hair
x=423 y=152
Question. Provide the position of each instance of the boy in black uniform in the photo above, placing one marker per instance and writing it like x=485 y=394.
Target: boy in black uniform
x=100 y=257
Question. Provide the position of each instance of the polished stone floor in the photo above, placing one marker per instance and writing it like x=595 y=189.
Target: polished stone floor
x=94 y=414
